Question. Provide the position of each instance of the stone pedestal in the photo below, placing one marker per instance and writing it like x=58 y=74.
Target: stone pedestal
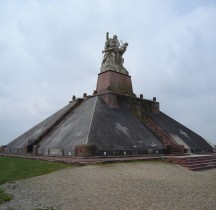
x=35 y=149
x=85 y=150
x=2 y=148
x=114 y=81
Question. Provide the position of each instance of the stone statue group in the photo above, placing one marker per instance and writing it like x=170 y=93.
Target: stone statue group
x=113 y=53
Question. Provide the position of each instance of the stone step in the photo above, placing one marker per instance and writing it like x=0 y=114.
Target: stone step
x=198 y=161
x=162 y=135
x=58 y=121
x=176 y=154
x=202 y=167
x=191 y=158
x=195 y=163
x=200 y=164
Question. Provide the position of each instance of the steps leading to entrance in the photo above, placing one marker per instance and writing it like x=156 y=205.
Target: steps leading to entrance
x=167 y=140
x=32 y=144
x=196 y=162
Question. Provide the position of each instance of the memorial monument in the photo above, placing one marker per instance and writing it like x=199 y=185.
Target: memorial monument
x=112 y=121
x=113 y=55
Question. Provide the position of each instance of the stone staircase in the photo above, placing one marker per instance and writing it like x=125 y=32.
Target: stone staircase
x=32 y=145
x=195 y=162
x=166 y=139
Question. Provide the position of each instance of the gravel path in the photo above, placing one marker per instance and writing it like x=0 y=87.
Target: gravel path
x=138 y=185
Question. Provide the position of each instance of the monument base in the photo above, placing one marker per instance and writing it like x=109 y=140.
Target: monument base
x=114 y=81
x=116 y=68
x=85 y=150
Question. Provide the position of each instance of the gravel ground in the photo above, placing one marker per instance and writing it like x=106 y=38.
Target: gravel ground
x=138 y=185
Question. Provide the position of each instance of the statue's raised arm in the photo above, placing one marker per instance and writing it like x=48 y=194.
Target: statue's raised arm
x=107 y=36
x=113 y=51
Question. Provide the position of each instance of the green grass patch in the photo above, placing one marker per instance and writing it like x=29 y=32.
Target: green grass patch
x=4 y=197
x=12 y=169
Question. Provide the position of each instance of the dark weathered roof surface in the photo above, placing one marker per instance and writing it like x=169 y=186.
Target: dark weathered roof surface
x=180 y=133
x=74 y=130
x=94 y=122
x=34 y=132
x=114 y=128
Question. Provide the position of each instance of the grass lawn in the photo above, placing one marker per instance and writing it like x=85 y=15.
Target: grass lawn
x=12 y=169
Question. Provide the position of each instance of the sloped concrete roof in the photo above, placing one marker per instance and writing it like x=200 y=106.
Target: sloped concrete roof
x=180 y=133
x=94 y=122
x=34 y=132
x=74 y=130
x=119 y=129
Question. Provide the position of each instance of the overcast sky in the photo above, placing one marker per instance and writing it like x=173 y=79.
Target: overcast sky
x=51 y=50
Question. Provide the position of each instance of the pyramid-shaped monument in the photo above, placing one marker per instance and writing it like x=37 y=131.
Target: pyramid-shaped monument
x=112 y=121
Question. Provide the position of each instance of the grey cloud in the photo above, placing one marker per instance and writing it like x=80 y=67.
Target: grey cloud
x=51 y=50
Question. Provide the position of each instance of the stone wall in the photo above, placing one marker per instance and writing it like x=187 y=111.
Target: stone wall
x=114 y=81
x=2 y=149
x=85 y=150
x=141 y=107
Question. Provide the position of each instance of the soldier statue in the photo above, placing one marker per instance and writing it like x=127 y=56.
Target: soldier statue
x=113 y=53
